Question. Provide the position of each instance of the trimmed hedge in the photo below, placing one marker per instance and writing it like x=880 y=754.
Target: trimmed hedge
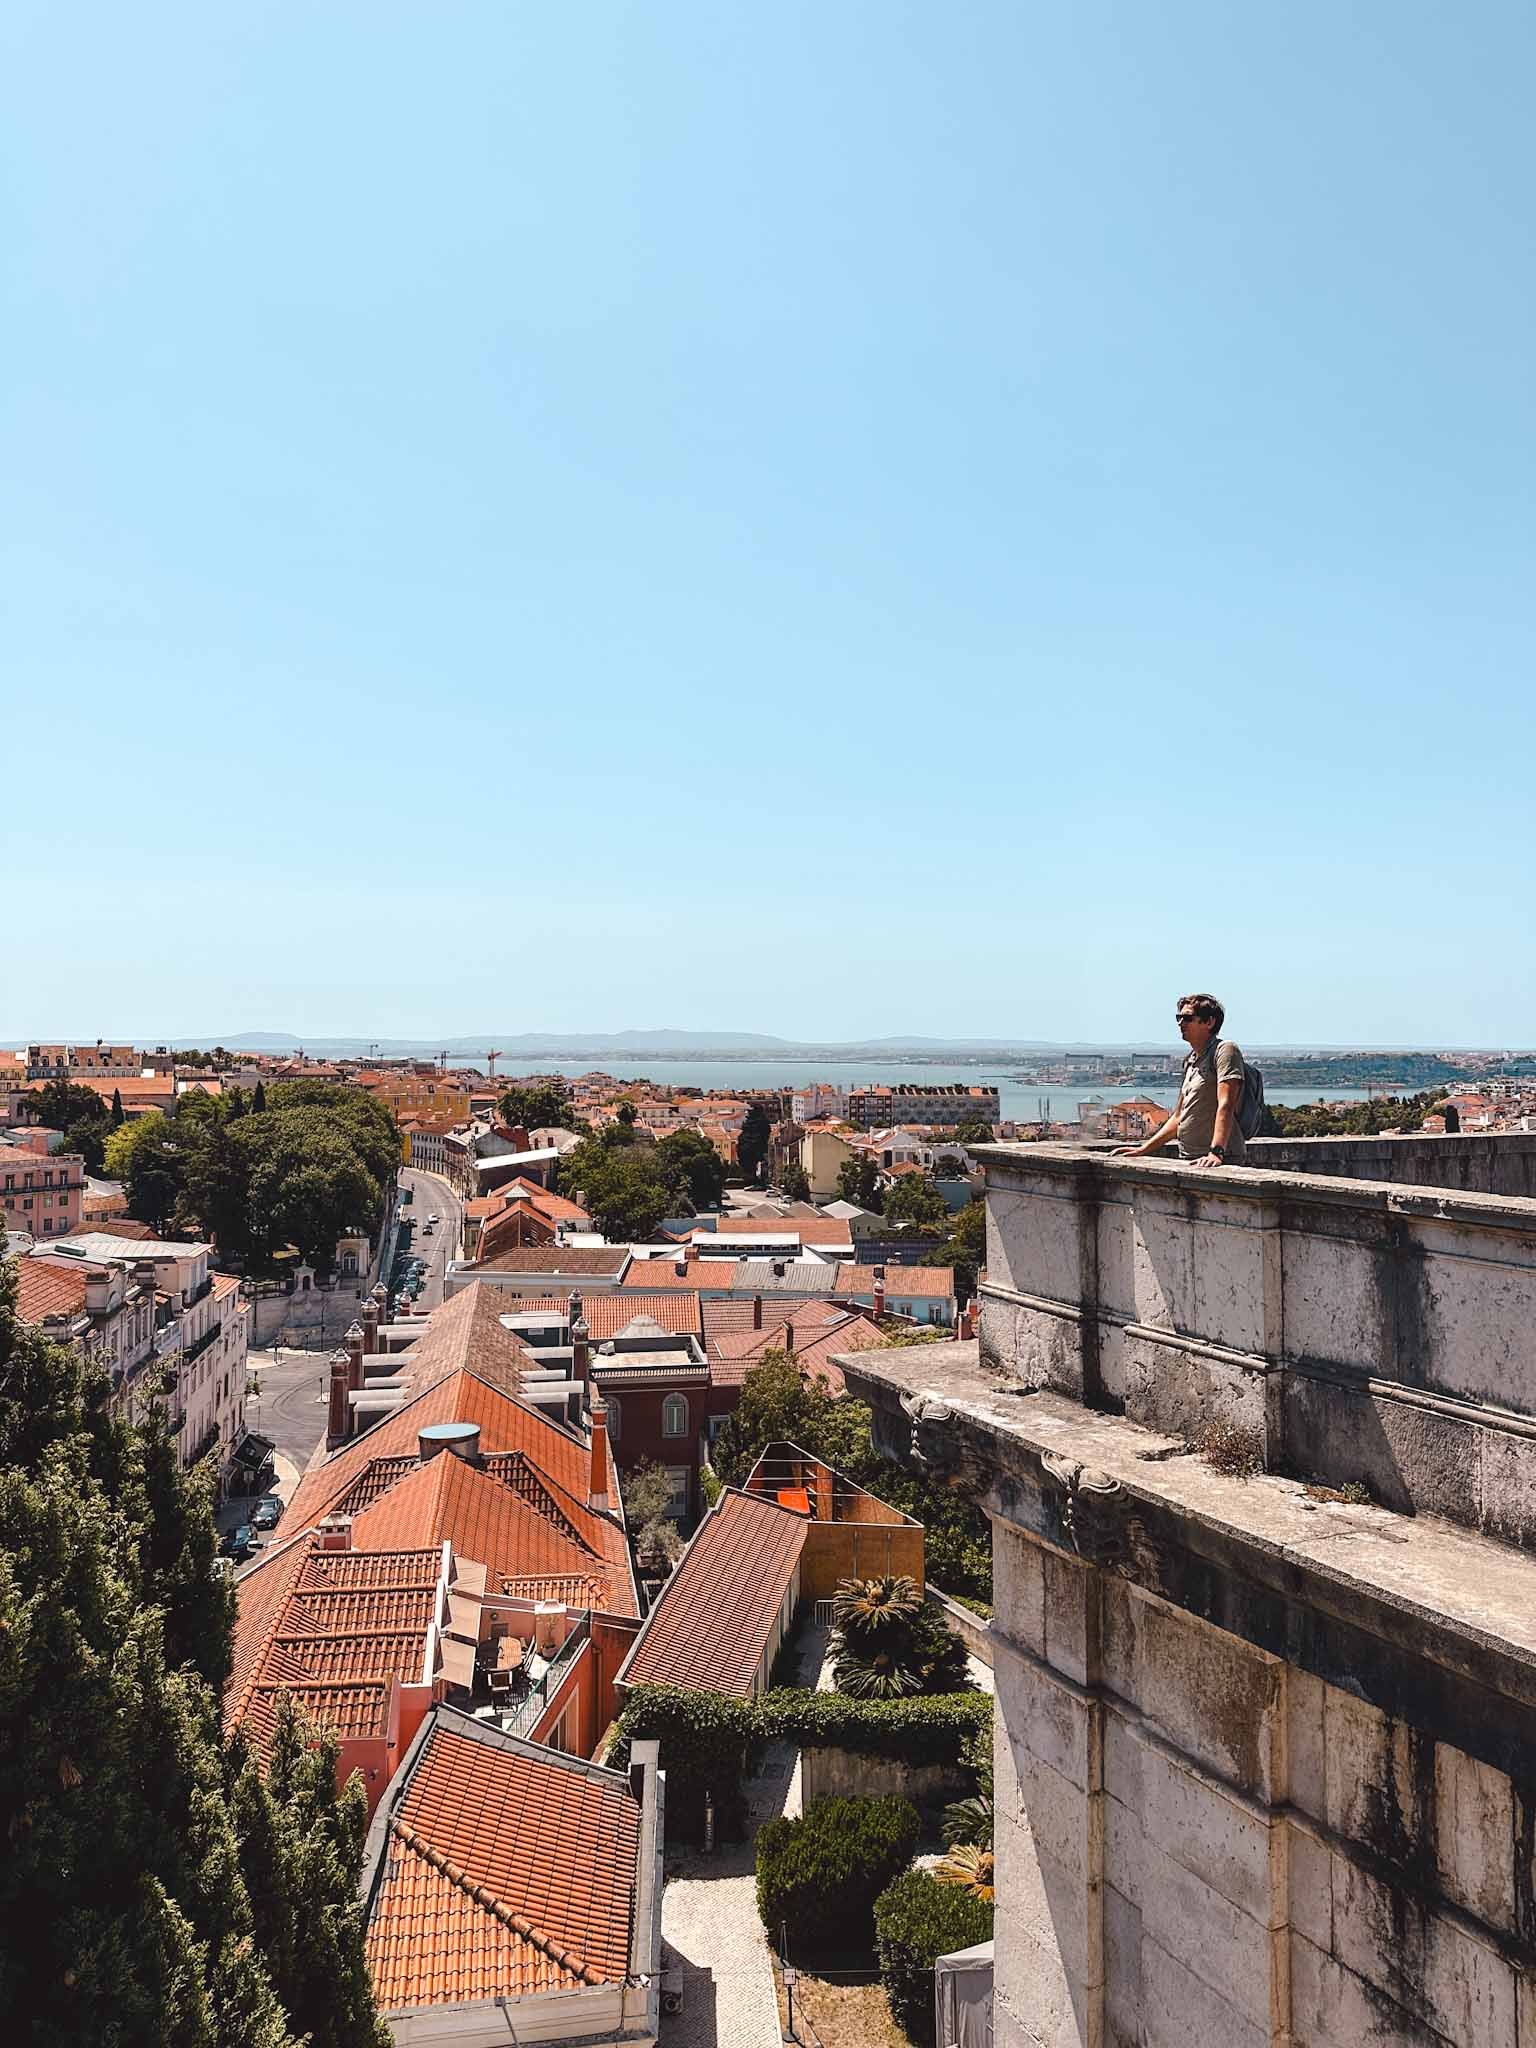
x=706 y=1738
x=819 y=1875
x=917 y=1920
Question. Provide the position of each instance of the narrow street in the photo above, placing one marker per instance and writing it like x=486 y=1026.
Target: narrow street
x=431 y=1195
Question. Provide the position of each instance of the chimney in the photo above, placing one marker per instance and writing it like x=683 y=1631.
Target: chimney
x=690 y=1253
x=778 y=1269
x=789 y=1339
x=680 y=1266
x=356 y=1345
x=967 y=1329
x=336 y=1413
x=757 y=1311
x=581 y=1350
x=335 y=1532
x=598 y=1495
x=370 y=1326
x=521 y=1142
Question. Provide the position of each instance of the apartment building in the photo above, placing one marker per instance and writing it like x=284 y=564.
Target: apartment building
x=41 y=1194
x=939 y=1103
x=84 y=1062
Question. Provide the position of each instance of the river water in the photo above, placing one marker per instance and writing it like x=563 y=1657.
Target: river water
x=1021 y=1102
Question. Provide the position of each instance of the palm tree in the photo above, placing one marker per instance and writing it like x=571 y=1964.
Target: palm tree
x=867 y=1607
x=875 y=1675
x=969 y=1867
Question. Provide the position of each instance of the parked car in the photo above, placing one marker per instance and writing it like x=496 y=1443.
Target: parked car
x=267 y=1513
x=239 y=1543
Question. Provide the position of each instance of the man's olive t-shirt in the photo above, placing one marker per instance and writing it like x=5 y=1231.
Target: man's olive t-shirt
x=1203 y=1074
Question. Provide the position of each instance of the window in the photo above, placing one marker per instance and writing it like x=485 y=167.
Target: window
x=677 y=1503
x=615 y=1419
x=674 y=1415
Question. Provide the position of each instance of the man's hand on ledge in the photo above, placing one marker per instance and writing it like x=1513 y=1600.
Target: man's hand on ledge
x=1212 y=1159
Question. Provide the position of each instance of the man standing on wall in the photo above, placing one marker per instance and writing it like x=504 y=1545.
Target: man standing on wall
x=1205 y=1120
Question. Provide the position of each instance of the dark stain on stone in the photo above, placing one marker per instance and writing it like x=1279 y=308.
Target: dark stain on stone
x=1525 y=1859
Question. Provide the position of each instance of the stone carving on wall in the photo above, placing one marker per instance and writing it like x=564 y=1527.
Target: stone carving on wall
x=1092 y=1507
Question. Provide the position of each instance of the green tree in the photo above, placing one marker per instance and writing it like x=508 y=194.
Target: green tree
x=647 y=1494
x=124 y=1913
x=889 y=1644
x=913 y=1198
x=258 y=1098
x=145 y=1156
x=367 y=1124
x=117 y=1107
x=541 y=1105
x=965 y=1248
x=62 y=1103
x=90 y=1141
x=300 y=1848
x=308 y=1185
x=795 y=1182
x=972 y=1131
x=858 y=1181
x=216 y=1184
x=692 y=1168
x=776 y=1406
x=752 y=1145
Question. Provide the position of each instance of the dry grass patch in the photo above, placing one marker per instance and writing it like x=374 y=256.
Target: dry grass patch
x=841 y=2015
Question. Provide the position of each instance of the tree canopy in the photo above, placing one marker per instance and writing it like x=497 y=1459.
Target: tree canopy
x=538 y=1105
x=628 y=1187
x=124 y=1895
x=752 y=1145
x=913 y=1198
x=306 y=1168
x=858 y=1181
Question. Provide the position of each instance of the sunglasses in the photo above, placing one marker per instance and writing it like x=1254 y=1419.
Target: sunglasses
x=1187 y=1017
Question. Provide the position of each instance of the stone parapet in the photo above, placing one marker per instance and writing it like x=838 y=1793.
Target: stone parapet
x=1358 y=1332
x=1266 y=1763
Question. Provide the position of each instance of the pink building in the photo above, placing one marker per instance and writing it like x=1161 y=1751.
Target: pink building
x=39 y=1194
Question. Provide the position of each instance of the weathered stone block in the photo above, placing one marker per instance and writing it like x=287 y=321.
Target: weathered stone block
x=1181 y=1392
x=1305 y=1752
x=1048 y=1898
x=1035 y=2004
x=1063 y=1820
x=1035 y=1241
x=1310 y=1886
x=1018 y=1587
x=1181 y=2010
x=1227 y=1253
x=1380 y=1777
x=1333 y=2008
x=1430 y=1965
x=1477 y=1316
x=1119 y=1613
x=1475 y=1836
x=1162 y=1264
x=1508 y=1509
x=1047 y=1719
x=1122 y=1972
x=1334 y=1308
x=1224 y=1947
x=1212 y=1834
x=1071 y=1616
x=1213 y=1696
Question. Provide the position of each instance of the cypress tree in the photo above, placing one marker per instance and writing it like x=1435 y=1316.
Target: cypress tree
x=125 y=1912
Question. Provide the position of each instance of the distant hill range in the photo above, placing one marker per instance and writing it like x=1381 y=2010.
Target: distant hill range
x=748 y=1045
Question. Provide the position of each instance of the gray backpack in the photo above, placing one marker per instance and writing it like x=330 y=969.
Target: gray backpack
x=1250 y=1108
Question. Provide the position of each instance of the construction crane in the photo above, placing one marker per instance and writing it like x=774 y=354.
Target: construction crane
x=490 y=1063
x=442 y=1058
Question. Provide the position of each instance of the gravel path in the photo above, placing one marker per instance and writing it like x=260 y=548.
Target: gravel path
x=709 y=1925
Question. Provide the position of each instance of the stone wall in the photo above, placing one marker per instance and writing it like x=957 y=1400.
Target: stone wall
x=1265 y=1756
x=848 y=1774
x=1472 y=1163
x=1363 y=1333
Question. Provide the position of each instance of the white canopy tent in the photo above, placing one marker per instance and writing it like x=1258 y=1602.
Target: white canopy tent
x=962 y=1992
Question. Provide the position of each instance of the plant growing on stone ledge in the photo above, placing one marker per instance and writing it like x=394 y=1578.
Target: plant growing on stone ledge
x=1232 y=1449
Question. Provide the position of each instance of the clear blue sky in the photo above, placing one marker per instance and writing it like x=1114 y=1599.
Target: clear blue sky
x=832 y=519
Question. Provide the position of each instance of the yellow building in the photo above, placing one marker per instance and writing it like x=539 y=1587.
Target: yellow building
x=821 y=1154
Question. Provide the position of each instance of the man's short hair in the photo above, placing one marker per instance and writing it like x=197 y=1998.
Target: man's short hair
x=1206 y=1008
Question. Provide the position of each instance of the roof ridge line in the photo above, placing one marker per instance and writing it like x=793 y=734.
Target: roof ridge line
x=567 y=1959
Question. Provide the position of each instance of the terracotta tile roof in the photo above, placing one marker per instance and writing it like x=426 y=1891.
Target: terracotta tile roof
x=822 y=1330
x=660 y=1276
x=711 y=1626
x=931 y=1282
x=466 y=1335
x=830 y=1230
x=484 y=1519
x=349 y=1710
x=598 y=1261
x=606 y=1314
x=43 y=1290
x=507 y=1870
x=346 y=1658
x=224 y=1285
x=356 y=1569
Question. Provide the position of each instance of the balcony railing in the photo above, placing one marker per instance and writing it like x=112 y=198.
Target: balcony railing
x=534 y=1702
x=210 y=1336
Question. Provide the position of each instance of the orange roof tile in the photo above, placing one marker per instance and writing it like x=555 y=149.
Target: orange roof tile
x=506 y=1870
x=482 y=1517
x=606 y=1314
x=660 y=1276
x=931 y=1282
x=711 y=1626
x=466 y=1334
x=349 y=1710
x=44 y=1290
